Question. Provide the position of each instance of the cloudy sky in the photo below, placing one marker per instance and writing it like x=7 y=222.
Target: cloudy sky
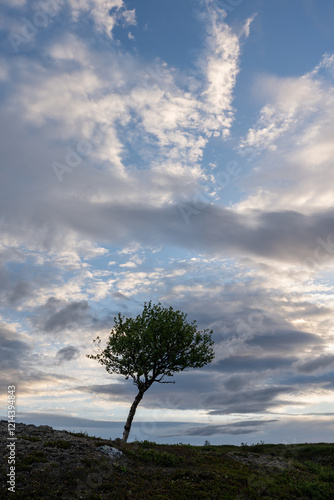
x=179 y=152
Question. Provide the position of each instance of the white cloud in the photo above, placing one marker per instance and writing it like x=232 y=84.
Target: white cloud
x=292 y=102
x=246 y=27
x=70 y=48
x=294 y=136
x=100 y=10
x=128 y=264
x=221 y=68
x=129 y=17
x=161 y=113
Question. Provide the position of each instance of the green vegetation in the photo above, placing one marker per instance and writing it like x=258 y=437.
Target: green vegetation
x=28 y=461
x=32 y=439
x=151 y=456
x=59 y=443
x=79 y=434
x=153 y=471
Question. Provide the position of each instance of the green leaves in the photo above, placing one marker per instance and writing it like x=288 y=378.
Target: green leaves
x=155 y=344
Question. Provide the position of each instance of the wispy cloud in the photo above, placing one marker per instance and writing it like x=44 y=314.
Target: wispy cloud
x=221 y=67
x=105 y=13
x=292 y=142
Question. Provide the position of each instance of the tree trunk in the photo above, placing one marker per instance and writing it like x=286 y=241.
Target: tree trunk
x=132 y=412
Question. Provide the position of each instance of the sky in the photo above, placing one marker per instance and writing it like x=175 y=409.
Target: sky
x=179 y=152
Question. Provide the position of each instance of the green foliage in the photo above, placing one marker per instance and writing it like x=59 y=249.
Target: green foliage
x=32 y=439
x=80 y=434
x=154 y=457
x=155 y=344
x=159 y=471
x=89 y=462
x=120 y=467
x=31 y=459
x=60 y=443
x=146 y=444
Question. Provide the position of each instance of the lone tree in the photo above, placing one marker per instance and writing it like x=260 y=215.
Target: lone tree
x=154 y=345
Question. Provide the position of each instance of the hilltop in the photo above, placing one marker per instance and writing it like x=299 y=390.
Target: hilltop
x=52 y=464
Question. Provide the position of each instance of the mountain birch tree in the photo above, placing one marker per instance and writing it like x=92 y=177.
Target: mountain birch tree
x=156 y=344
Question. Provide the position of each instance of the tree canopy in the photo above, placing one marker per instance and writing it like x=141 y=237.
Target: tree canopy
x=156 y=344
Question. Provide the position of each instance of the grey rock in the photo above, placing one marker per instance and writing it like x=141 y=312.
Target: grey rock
x=111 y=452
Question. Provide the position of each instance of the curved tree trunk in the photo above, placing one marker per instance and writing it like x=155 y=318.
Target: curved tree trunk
x=132 y=412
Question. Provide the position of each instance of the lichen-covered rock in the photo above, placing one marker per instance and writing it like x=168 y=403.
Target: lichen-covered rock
x=111 y=452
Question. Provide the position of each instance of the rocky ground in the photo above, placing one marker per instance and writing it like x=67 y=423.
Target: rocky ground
x=261 y=461
x=42 y=450
x=57 y=464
